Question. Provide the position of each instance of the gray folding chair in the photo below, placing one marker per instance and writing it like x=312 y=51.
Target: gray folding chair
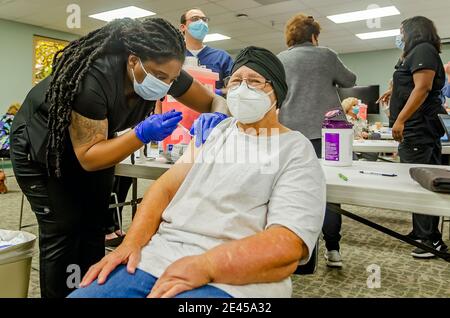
x=119 y=218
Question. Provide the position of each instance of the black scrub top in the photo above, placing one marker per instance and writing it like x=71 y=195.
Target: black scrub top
x=100 y=96
x=423 y=126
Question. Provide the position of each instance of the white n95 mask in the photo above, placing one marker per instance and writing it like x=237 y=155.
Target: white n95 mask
x=151 y=87
x=248 y=105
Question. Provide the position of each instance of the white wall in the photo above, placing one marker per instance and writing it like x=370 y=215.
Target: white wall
x=16 y=58
x=377 y=67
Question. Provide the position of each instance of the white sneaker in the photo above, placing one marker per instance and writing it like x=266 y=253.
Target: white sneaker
x=333 y=258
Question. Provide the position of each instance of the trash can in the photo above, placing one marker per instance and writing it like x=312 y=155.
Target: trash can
x=16 y=252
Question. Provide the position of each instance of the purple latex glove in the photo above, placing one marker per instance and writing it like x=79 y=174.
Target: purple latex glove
x=158 y=126
x=203 y=126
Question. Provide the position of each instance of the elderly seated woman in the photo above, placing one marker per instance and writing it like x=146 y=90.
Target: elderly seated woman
x=233 y=218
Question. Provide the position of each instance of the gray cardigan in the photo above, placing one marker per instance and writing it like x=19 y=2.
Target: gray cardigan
x=312 y=73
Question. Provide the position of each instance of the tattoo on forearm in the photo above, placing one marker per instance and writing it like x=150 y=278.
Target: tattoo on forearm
x=85 y=131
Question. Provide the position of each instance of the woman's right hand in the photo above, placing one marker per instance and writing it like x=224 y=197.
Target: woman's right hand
x=126 y=253
x=386 y=97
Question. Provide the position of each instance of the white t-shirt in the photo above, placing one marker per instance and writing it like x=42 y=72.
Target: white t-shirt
x=238 y=186
x=195 y=52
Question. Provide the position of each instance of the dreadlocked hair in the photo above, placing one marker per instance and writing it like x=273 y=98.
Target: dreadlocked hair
x=151 y=38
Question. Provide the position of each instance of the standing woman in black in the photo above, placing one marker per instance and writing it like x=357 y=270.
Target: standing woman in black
x=63 y=150
x=415 y=105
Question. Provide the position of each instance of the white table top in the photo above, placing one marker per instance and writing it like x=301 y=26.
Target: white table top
x=383 y=146
x=397 y=193
x=143 y=168
x=363 y=145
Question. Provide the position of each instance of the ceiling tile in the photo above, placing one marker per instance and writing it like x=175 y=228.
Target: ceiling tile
x=338 y=7
x=162 y=6
x=237 y=5
x=265 y=24
x=261 y=37
x=287 y=7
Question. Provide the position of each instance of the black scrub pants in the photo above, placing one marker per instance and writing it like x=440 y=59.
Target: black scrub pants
x=70 y=212
x=425 y=227
x=333 y=221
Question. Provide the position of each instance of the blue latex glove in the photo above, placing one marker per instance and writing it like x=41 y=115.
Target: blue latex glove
x=203 y=126
x=157 y=127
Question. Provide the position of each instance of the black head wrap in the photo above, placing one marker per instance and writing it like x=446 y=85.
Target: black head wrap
x=268 y=65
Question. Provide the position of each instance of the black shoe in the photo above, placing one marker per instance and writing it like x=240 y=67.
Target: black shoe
x=438 y=245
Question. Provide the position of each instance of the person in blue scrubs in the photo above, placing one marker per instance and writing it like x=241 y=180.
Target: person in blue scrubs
x=194 y=26
x=446 y=89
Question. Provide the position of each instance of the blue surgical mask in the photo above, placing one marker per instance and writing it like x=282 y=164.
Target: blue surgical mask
x=355 y=110
x=399 y=43
x=151 y=87
x=198 y=29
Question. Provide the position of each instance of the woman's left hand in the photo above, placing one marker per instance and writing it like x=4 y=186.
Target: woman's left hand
x=397 y=131
x=187 y=273
x=203 y=126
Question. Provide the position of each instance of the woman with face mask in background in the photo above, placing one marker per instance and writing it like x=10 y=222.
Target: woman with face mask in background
x=62 y=148
x=415 y=103
x=313 y=74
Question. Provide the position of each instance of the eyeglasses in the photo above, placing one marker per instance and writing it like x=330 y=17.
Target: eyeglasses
x=196 y=18
x=252 y=83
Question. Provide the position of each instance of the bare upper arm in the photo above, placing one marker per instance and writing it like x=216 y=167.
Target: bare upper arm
x=172 y=179
x=197 y=97
x=294 y=245
x=85 y=132
x=424 y=79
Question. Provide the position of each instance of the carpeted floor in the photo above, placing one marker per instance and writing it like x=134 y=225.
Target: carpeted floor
x=401 y=275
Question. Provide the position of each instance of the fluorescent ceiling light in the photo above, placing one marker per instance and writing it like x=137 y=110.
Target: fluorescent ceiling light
x=215 y=37
x=126 y=12
x=378 y=34
x=364 y=14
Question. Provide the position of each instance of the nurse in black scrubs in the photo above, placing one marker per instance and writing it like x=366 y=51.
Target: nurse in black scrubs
x=63 y=152
x=414 y=108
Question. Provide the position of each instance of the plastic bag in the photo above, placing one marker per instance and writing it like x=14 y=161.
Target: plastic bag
x=15 y=246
